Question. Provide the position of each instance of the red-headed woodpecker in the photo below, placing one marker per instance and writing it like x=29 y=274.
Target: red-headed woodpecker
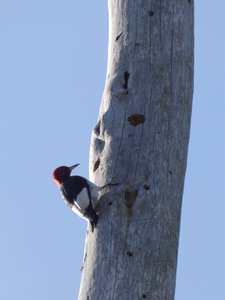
x=80 y=194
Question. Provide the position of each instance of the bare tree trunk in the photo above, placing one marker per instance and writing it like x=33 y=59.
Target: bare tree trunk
x=141 y=142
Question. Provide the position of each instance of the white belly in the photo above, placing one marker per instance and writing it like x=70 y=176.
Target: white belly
x=94 y=189
x=82 y=200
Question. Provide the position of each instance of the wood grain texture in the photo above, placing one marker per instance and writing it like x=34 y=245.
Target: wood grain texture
x=141 y=142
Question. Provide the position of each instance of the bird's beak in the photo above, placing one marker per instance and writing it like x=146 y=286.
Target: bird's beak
x=73 y=167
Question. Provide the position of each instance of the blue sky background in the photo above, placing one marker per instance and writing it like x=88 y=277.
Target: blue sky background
x=53 y=57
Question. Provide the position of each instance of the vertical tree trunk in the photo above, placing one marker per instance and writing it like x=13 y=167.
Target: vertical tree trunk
x=141 y=142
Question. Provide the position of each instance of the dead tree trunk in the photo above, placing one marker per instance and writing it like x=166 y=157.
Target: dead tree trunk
x=141 y=142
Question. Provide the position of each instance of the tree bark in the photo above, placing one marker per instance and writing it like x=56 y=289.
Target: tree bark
x=141 y=142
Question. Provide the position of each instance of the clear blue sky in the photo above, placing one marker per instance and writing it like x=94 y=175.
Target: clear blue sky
x=53 y=57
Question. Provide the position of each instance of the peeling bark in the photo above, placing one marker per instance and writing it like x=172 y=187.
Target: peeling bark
x=141 y=142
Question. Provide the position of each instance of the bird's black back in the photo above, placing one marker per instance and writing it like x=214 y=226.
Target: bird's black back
x=73 y=186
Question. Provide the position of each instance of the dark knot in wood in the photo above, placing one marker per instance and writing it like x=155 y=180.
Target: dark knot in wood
x=130 y=197
x=136 y=119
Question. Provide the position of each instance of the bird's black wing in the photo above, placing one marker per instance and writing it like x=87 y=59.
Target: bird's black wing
x=72 y=187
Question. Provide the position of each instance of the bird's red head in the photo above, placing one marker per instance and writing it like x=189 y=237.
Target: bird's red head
x=62 y=174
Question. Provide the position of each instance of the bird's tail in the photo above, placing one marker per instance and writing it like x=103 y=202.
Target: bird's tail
x=92 y=216
x=93 y=223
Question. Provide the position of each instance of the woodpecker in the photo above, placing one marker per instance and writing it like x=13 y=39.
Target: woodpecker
x=80 y=194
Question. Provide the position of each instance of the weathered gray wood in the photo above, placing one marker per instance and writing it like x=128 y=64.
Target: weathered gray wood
x=141 y=142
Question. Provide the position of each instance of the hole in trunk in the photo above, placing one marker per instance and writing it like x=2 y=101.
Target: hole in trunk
x=96 y=165
x=126 y=76
x=136 y=119
x=118 y=36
